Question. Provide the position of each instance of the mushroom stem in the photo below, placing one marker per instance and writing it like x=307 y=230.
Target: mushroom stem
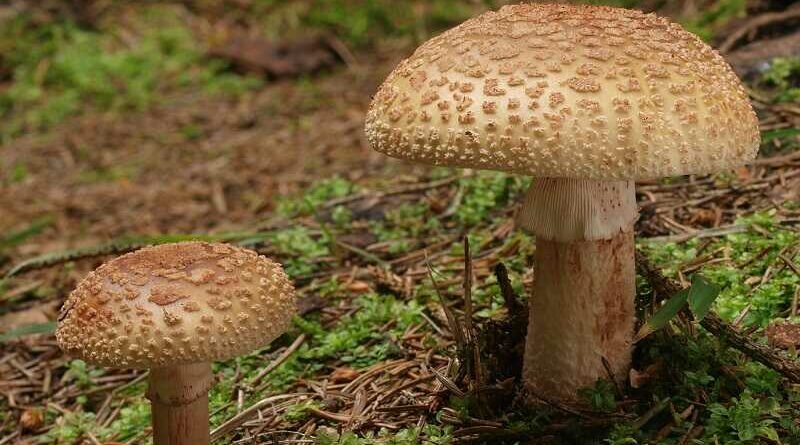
x=582 y=309
x=179 y=398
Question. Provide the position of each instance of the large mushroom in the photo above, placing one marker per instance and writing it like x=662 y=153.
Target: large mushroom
x=174 y=309
x=586 y=99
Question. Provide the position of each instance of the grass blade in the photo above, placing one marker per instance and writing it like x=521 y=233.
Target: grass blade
x=701 y=296
x=663 y=316
x=30 y=329
x=16 y=238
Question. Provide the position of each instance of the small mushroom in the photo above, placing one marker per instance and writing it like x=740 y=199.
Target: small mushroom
x=586 y=99
x=174 y=309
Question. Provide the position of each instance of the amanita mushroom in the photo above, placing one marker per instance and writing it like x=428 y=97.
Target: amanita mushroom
x=174 y=309
x=586 y=99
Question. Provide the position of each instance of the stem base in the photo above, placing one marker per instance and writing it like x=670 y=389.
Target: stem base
x=582 y=311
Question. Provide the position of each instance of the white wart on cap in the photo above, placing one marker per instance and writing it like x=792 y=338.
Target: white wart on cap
x=176 y=304
x=566 y=91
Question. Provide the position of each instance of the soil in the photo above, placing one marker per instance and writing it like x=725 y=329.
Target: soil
x=106 y=175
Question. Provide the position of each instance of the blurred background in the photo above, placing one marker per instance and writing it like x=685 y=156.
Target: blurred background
x=151 y=117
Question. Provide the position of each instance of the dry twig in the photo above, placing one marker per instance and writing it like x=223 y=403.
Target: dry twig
x=764 y=354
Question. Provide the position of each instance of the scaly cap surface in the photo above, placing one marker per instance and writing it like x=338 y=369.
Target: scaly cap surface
x=551 y=90
x=176 y=304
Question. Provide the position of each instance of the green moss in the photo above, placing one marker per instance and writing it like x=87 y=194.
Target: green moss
x=429 y=434
x=73 y=426
x=784 y=76
x=739 y=277
x=18 y=173
x=486 y=192
x=80 y=373
x=600 y=396
x=299 y=412
x=402 y=224
x=133 y=419
x=745 y=420
x=59 y=69
x=300 y=248
x=708 y=20
x=316 y=194
x=355 y=340
x=341 y=217
x=361 y=23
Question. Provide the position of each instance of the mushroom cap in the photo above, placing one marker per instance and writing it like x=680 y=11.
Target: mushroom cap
x=574 y=91
x=176 y=304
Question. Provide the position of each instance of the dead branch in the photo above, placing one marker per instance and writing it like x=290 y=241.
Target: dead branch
x=510 y=298
x=757 y=22
x=746 y=61
x=278 y=361
x=474 y=364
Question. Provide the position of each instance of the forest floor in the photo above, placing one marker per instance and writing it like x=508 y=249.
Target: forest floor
x=121 y=130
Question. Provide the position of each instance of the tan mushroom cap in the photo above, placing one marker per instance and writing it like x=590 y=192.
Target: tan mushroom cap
x=566 y=91
x=176 y=304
